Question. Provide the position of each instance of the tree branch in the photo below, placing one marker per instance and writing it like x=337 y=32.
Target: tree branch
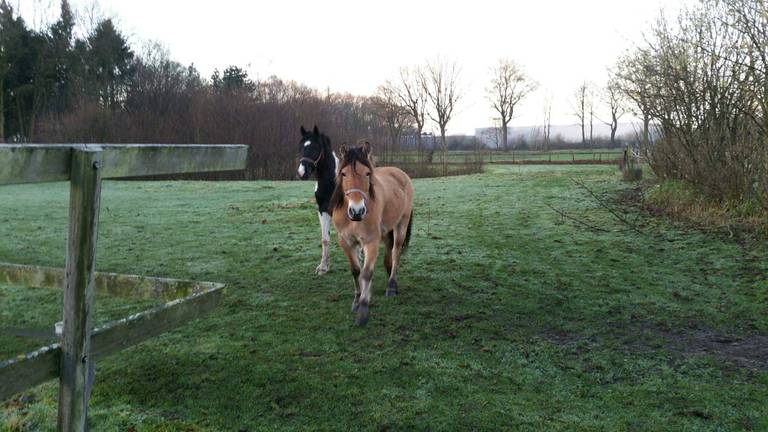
x=602 y=203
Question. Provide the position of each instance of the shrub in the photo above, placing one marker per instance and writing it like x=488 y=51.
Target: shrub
x=700 y=82
x=633 y=173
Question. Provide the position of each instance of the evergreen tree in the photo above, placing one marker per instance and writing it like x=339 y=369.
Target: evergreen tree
x=6 y=16
x=20 y=53
x=61 y=59
x=233 y=80
x=109 y=64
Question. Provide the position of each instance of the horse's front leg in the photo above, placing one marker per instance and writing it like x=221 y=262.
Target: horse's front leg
x=354 y=266
x=366 y=276
x=325 y=232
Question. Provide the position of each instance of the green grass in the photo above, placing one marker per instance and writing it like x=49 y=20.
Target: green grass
x=510 y=317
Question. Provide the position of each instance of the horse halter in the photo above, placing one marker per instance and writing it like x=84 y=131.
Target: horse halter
x=360 y=191
x=314 y=162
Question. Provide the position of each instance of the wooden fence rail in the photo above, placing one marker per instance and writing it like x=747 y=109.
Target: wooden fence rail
x=37 y=367
x=34 y=163
x=84 y=166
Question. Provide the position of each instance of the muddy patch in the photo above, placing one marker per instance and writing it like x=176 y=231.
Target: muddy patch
x=741 y=351
x=744 y=351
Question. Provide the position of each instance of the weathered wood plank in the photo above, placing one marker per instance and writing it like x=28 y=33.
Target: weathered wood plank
x=35 y=368
x=137 y=328
x=140 y=160
x=84 y=200
x=31 y=276
x=32 y=163
x=148 y=288
x=29 y=370
x=109 y=284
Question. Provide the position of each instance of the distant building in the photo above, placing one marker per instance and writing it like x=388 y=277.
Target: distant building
x=530 y=136
x=428 y=141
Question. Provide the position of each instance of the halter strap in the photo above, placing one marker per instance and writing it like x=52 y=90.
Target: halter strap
x=313 y=161
x=360 y=191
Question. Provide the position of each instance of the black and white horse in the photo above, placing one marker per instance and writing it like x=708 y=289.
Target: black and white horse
x=318 y=158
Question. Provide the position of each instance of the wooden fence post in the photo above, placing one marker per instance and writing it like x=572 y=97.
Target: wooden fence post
x=84 y=197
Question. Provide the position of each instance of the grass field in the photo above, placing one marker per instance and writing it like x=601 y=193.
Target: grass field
x=510 y=317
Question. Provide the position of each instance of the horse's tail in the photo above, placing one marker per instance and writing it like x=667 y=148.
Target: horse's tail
x=408 y=232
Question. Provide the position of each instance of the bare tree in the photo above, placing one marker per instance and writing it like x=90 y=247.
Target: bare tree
x=395 y=116
x=440 y=82
x=39 y=13
x=632 y=73
x=88 y=16
x=613 y=98
x=750 y=19
x=581 y=109
x=547 y=128
x=412 y=95
x=591 y=123
x=509 y=85
x=495 y=132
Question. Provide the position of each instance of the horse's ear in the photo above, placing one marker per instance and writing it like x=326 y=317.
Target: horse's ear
x=316 y=131
x=366 y=148
x=343 y=150
x=303 y=131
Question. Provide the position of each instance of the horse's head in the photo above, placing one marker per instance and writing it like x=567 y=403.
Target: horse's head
x=354 y=186
x=312 y=150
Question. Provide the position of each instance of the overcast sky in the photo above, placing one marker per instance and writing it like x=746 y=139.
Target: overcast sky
x=353 y=46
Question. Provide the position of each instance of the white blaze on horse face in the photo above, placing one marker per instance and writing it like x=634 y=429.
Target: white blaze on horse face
x=315 y=186
x=356 y=206
x=301 y=170
x=307 y=143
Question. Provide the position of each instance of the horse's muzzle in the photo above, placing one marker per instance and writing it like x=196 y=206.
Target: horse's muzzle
x=356 y=215
x=303 y=172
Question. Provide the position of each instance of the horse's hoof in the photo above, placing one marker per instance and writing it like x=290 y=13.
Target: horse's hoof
x=354 y=307
x=362 y=315
x=321 y=269
x=391 y=288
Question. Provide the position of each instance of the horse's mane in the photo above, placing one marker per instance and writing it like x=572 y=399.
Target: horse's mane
x=352 y=156
x=325 y=142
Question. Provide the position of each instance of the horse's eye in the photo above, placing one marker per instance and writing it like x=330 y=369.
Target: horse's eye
x=367 y=174
x=343 y=175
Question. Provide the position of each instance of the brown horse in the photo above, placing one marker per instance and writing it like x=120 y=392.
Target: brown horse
x=371 y=205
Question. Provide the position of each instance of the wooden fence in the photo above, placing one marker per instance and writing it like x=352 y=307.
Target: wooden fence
x=460 y=157
x=555 y=157
x=84 y=166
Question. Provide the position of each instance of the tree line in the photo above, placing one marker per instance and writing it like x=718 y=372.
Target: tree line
x=60 y=87
x=44 y=72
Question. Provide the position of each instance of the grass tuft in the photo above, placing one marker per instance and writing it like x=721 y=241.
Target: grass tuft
x=684 y=202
